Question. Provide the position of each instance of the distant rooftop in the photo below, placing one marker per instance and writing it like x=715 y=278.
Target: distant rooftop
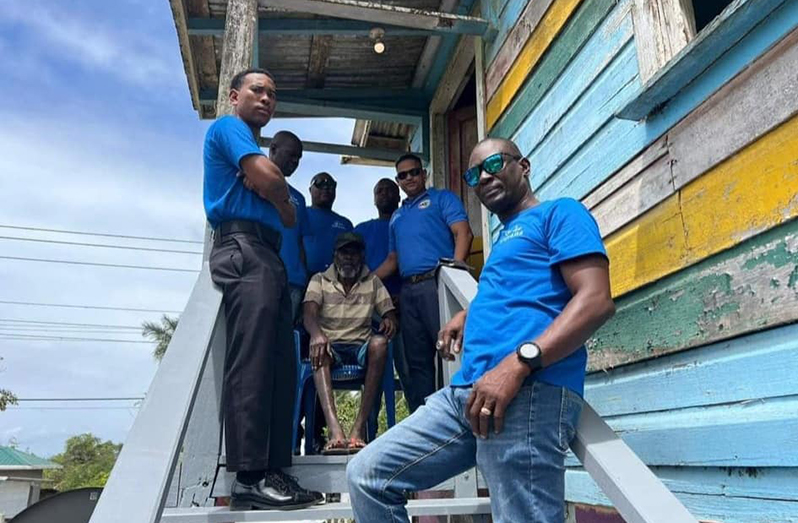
x=13 y=459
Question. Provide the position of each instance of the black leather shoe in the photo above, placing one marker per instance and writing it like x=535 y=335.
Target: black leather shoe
x=272 y=492
x=291 y=480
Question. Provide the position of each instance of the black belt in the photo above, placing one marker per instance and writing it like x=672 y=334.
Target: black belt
x=417 y=278
x=265 y=234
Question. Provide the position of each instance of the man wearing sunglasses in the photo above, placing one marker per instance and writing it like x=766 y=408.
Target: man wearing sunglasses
x=324 y=224
x=431 y=224
x=513 y=407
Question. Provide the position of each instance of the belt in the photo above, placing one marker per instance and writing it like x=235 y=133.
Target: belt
x=265 y=234
x=417 y=278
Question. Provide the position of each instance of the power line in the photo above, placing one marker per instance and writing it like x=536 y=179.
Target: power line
x=106 y=235
x=62 y=330
x=48 y=323
x=81 y=244
x=32 y=337
x=95 y=264
x=129 y=398
x=96 y=307
x=74 y=408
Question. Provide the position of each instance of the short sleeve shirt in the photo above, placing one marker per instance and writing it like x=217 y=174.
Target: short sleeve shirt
x=227 y=142
x=419 y=230
x=375 y=234
x=521 y=290
x=290 y=248
x=323 y=228
x=346 y=318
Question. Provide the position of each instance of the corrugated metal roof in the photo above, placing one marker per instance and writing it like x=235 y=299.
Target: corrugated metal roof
x=11 y=458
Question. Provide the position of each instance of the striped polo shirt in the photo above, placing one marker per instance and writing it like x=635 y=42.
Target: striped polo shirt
x=346 y=318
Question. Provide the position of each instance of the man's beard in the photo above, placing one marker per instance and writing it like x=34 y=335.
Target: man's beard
x=347 y=271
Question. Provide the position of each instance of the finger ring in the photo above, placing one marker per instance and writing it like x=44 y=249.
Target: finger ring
x=439 y=344
x=485 y=411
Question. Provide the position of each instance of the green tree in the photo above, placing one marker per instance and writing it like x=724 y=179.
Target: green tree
x=6 y=398
x=85 y=462
x=161 y=333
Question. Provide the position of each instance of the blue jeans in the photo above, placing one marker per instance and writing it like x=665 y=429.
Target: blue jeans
x=523 y=465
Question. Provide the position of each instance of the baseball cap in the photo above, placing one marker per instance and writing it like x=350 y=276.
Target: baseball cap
x=348 y=238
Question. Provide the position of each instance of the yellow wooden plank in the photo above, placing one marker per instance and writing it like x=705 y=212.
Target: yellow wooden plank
x=536 y=45
x=750 y=192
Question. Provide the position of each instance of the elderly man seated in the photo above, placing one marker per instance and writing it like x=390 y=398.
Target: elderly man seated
x=338 y=308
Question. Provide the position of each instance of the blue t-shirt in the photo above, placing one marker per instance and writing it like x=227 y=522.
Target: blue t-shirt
x=227 y=142
x=292 y=239
x=521 y=290
x=375 y=233
x=419 y=230
x=323 y=228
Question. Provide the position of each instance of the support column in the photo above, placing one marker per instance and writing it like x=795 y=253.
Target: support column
x=479 y=76
x=237 y=50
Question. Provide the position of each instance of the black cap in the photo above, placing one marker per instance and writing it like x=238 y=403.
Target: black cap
x=348 y=238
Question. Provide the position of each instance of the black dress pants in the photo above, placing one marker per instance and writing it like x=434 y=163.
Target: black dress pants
x=419 y=327
x=260 y=366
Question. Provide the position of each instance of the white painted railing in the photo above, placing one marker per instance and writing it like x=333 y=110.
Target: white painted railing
x=637 y=494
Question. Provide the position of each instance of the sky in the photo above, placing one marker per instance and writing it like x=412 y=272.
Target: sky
x=98 y=135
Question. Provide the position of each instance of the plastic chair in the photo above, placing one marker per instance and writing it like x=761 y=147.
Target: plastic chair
x=344 y=377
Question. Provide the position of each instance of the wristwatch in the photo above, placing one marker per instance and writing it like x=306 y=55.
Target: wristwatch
x=529 y=353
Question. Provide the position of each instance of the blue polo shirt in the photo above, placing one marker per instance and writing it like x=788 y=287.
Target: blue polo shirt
x=521 y=290
x=292 y=240
x=227 y=142
x=419 y=230
x=375 y=234
x=323 y=228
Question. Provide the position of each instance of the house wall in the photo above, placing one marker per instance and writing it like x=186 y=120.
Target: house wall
x=696 y=205
x=16 y=493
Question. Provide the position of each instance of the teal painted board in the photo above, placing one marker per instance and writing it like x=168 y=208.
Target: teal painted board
x=597 y=55
x=761 y=365
x=715 y=494
x=618 y=141
x=445 y=52
x=507 y=14
x=611 y=90
x=726 y=30
x=755 y=433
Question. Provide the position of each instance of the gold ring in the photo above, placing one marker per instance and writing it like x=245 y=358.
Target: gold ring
x=485 y=411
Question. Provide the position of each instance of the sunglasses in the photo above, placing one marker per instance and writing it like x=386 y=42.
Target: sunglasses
x=416 y=171
x=492 y=165
x=324 y=184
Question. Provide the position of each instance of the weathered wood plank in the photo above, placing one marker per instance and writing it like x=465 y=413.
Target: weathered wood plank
x=709 y=376
x=456 y=76
x=180 y=17
x=748 y=288
x=317 y=62
x=662 y=29
x=616 y=84
x=507 y=17
x=239 y=36
x=597 y=55
x=760 y=98
x=704 y=217
x=431 y=46
x=618 y=141
x=735 y=495
x=576 y=32
x=514 y=43
x=542 y=37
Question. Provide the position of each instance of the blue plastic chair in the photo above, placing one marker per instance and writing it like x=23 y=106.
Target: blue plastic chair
x=344 y=377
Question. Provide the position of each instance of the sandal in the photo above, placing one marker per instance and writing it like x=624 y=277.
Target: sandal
x=335 y=447
x=356 y=445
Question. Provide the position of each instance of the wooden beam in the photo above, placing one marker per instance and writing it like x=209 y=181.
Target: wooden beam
x=320 y=47
x=239 y=37
x=662 y=29
x=206 y=26
x=482 y=131
x=430 y=50
x=456 y=76
x=347 y=150
x=180 y=18
x=204 y=53
x=378 y=13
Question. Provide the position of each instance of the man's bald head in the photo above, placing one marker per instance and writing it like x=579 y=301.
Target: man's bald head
x=504 y=191
x=504 y=145
x=286 y=151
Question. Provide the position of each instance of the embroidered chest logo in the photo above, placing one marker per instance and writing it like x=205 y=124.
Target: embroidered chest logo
x=513 y=232
x=424 y=204
x=339 y=225
x=294 y=200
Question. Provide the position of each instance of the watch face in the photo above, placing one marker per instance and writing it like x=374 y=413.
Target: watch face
x=529 y=350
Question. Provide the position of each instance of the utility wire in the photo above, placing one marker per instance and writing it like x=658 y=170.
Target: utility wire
x=32 y=337
x=74 y=408
x=74 y=306
x=106 y=235
x=81 y=244
x=95 y=264
x=129 y=398
x=49 y=323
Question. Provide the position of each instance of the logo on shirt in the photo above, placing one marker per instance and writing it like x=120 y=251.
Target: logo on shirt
x=339 y=225
x=424 y=204
x=294 y=200
x=513 y=232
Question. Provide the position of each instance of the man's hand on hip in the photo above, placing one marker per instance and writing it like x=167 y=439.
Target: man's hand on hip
x=493 y=393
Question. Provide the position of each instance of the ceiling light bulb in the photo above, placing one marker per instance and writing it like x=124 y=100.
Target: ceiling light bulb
x=379 y=47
